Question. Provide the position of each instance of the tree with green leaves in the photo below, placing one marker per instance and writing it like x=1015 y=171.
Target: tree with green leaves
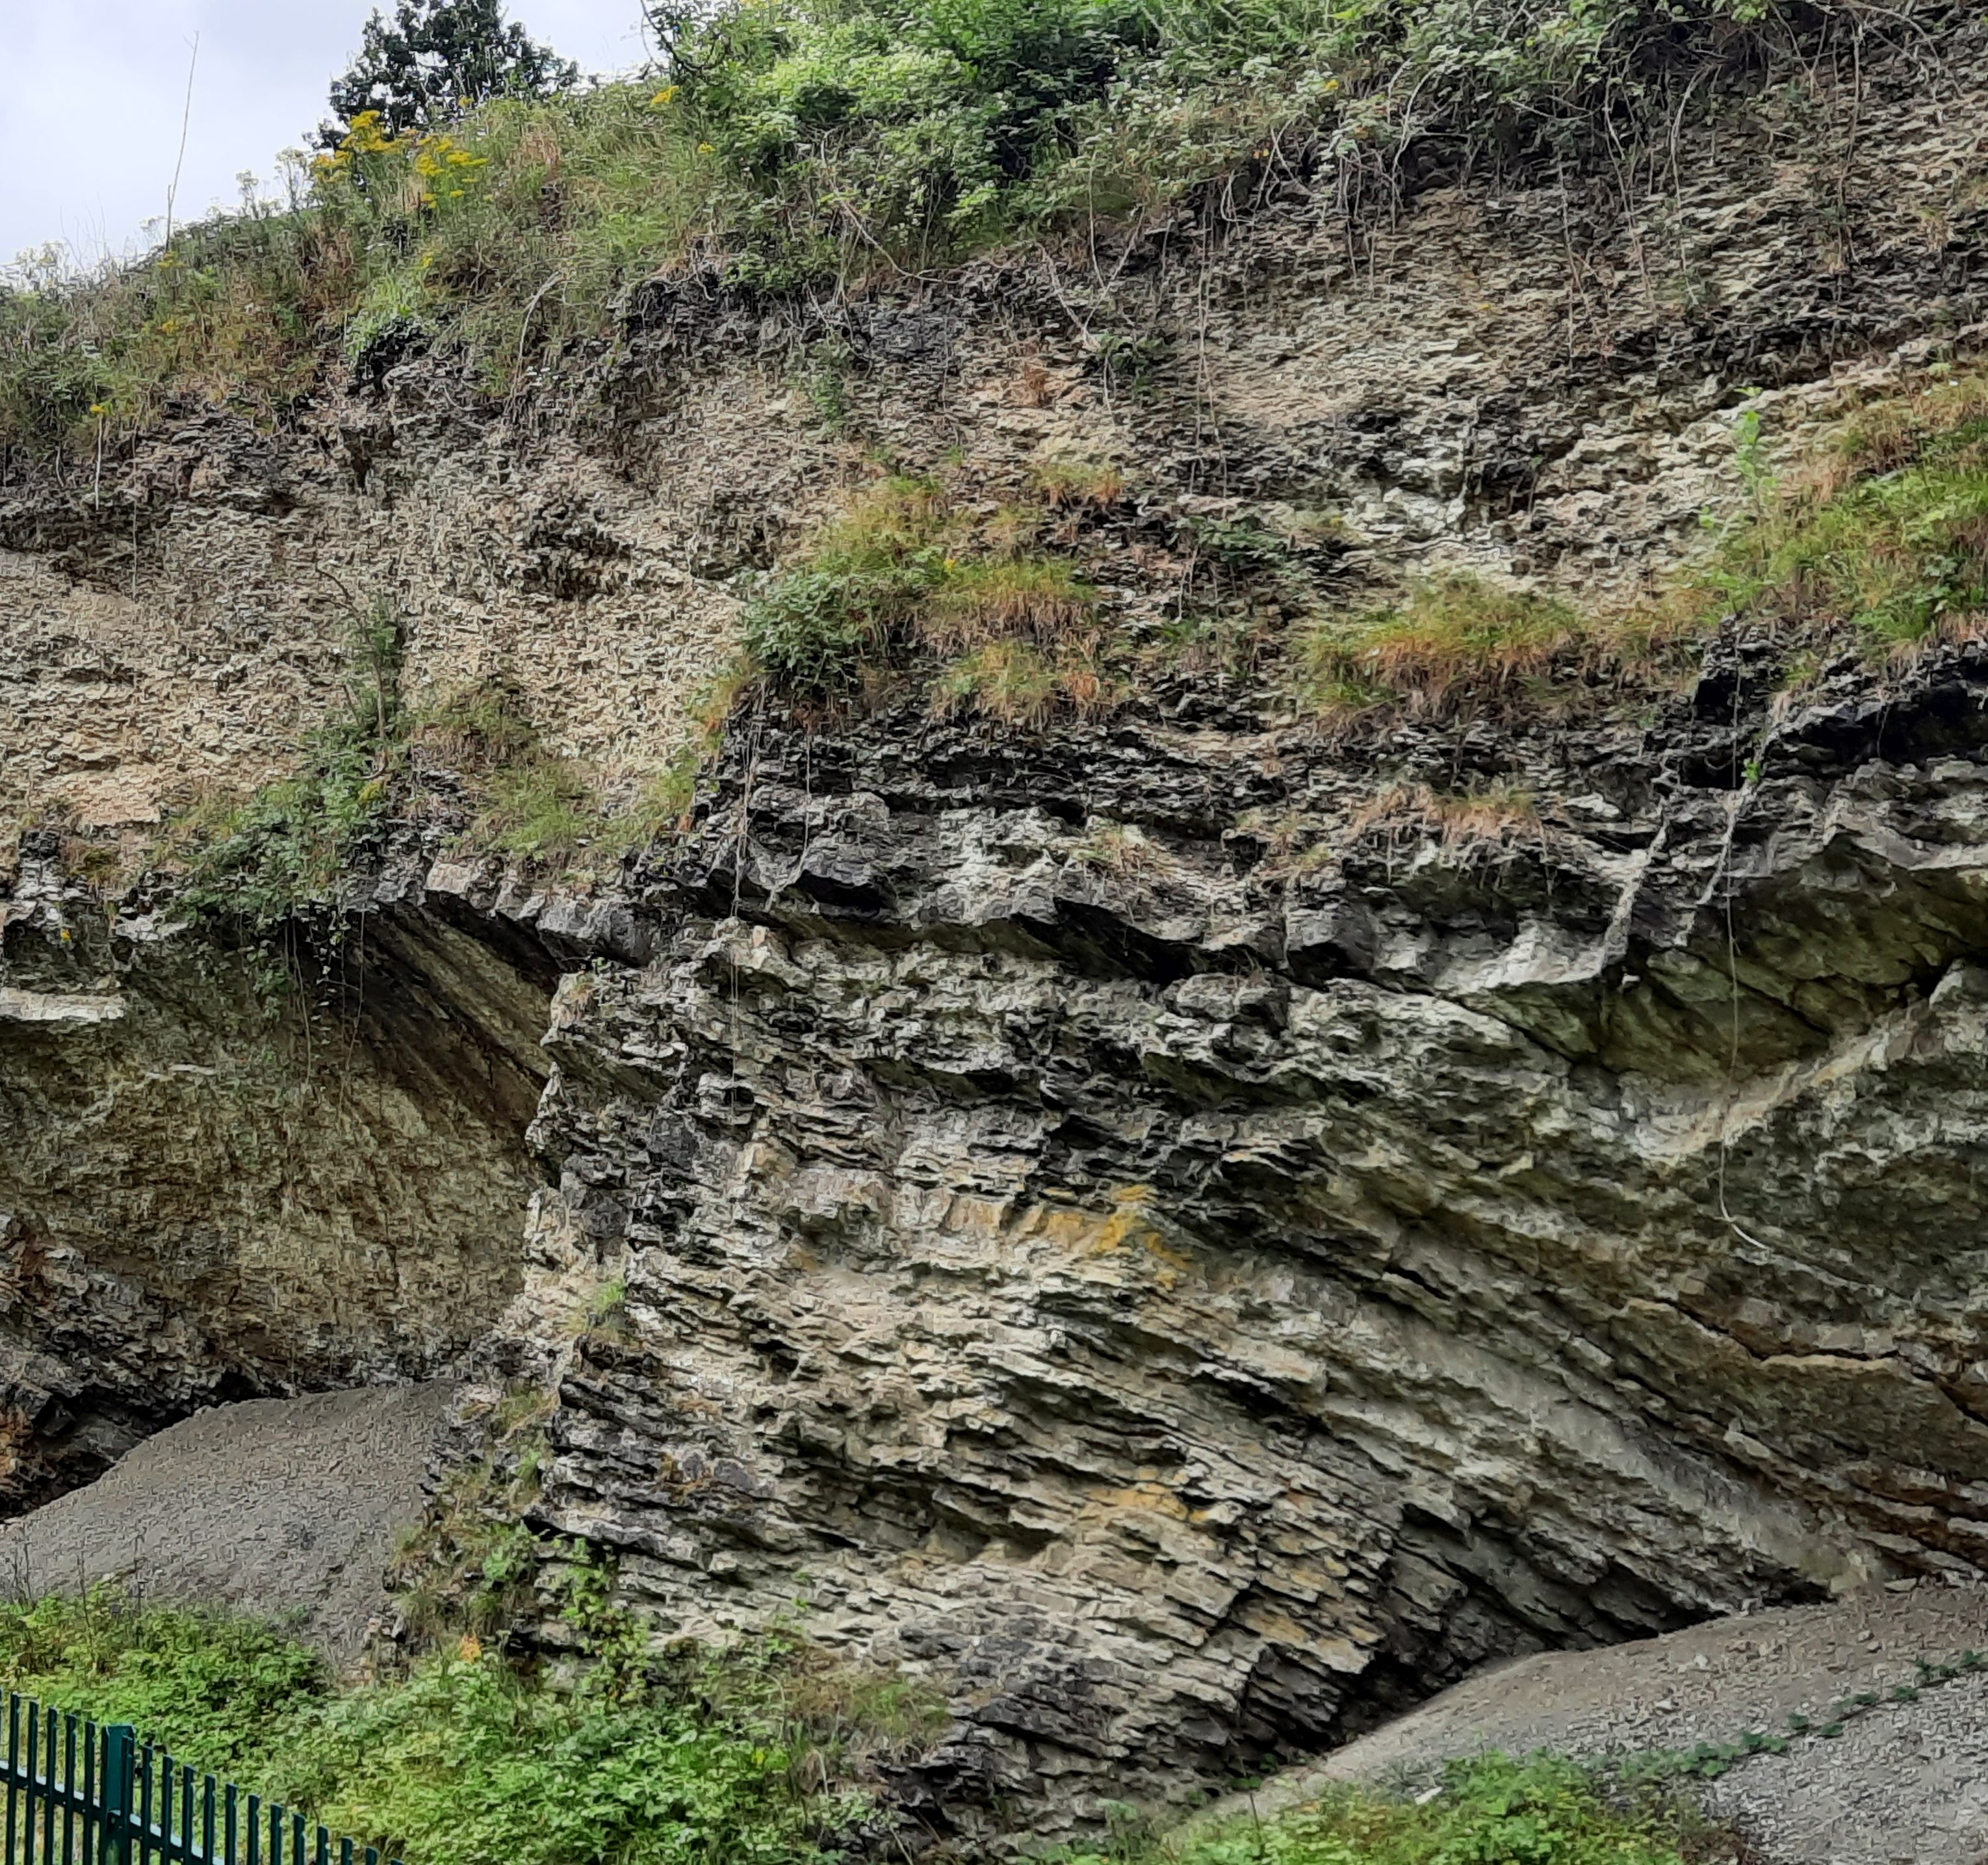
x=437 y=58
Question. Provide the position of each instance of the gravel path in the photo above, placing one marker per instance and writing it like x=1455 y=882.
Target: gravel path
x=1906 y=1783
x=285 y=1506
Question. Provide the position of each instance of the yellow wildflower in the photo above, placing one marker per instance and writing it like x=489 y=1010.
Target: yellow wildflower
x=705 y=149
x=367 y=137
x=668 y=95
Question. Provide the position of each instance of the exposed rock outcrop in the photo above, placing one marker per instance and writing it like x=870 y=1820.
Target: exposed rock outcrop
x=1194 y=1309
x=230 y=1172
x=1152 y=1225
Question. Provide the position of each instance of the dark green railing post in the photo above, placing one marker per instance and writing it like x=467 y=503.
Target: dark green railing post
x=119 y=1741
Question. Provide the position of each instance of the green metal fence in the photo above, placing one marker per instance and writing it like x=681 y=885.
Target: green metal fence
x=83 y=1793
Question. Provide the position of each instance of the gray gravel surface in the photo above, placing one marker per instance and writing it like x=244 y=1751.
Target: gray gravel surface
x=1905 y=1783
x=283 y=1506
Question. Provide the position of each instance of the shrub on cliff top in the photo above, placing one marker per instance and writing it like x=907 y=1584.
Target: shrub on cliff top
x=435 y=58
x=792 y=141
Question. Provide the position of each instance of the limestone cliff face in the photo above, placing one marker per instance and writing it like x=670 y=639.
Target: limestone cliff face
x=1192 y=1309
x=1149 y=1225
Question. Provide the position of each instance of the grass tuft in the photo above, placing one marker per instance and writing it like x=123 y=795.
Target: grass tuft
x=1040 y=599
x=1883 y=537
x=903 y=573
x=1457 y=645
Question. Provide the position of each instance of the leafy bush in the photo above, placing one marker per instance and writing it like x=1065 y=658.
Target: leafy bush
x=227 y=1693
x=467 y=1761
x=465 y=1764
x=436 y=57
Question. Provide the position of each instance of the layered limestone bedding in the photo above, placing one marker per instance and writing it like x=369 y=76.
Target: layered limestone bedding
x=1198 y=1310
x=1143 y=1223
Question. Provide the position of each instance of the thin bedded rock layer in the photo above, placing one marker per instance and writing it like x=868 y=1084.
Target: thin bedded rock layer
x=1153 y=1227
x=1187 y=1334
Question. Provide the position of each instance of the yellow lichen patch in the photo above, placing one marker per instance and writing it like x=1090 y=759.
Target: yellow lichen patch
x=1129 y=1224
x=1092 y=1233
x=1152 y=1498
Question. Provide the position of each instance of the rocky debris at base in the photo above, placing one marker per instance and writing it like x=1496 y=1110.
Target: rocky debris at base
x=1905 y=1782
x=287 y=1508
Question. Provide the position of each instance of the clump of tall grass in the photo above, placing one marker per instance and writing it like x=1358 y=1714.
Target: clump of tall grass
x=902 y=575
x=1881 y=537
x=1456 y=644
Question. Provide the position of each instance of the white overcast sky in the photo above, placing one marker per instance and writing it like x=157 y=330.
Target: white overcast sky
x=92 y=92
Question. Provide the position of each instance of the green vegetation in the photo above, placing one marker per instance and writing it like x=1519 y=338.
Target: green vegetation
x=1491 y=1810
x=1885 y=538
x=794 y=141
x=759 y=1755
x=902 y=570
x=528 y=802
x=764 y=1754
x=469 y=1569
x=1459 y=643
x=434 y=57
x=288 y=849
x=1878 y=545
x=293 y=849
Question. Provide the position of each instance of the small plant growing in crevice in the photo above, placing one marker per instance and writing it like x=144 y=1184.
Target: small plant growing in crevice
x=1067 y=483
x=470 y=1567
x=1470 y=823
x=1124 y=852
x=524 y=802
